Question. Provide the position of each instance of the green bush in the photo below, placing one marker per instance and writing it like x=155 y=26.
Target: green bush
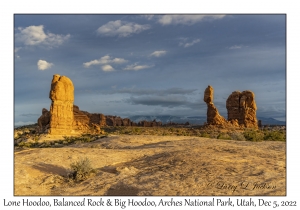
x=214 y=135
x=253 y=135
x=136 y=130
x=235 y=135
x=81 y=169
x=224 y=136
x=274 y=136
x=205 y=134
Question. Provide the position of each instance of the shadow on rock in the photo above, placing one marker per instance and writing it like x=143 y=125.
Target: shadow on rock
x=121 y=189
x=53 y=169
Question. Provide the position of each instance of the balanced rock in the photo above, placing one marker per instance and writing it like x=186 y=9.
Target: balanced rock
x=209 y=94
x=213 y=116
x=61 y=110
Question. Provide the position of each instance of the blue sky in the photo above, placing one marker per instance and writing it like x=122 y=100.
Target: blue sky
x=149 y=64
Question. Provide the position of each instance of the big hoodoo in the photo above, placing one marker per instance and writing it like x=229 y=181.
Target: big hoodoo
x=61 y=110
x=242 y=106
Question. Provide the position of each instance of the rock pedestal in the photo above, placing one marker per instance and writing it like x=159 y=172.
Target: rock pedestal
x=61 y=110
x=213 y=116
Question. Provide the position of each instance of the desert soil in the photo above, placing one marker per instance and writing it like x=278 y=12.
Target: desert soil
x=156 y=165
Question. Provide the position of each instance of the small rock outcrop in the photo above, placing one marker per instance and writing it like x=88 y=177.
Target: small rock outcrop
x=259 y=124
x=242 y=107
x=44 y=120
x=213 y=116
x=61 y=110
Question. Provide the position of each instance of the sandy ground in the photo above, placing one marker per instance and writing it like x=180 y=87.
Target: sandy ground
x=156 y=165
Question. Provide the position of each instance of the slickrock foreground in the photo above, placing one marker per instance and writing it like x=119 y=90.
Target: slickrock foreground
x=156 y=165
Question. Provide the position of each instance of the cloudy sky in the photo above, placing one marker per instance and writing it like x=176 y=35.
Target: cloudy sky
x=149 y=64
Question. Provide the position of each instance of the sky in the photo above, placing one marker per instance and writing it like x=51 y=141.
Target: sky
x=142 y=64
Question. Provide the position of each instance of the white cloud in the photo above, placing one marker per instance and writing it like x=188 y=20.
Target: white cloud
x=121 y=28
x=158 y=53
x=56 y=39
x=43 y=65
x=35 y=35
x=107 y=68
x=137 y=67
x=235 y=47
x=17 y=49
x=189 y=44
x=186 y=19
x=104 y=60
x=119 y=60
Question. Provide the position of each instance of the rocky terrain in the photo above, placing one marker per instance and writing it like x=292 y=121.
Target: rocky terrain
x=155 y=165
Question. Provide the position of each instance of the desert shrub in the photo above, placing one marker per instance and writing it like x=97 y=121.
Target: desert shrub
x=224 y=136
x=81 y=169
x=25 y=144
x=235 y=135
x=274 y=135
x=171 y=129
x=204 y=134
x=136 y=130
x=214 y=135
x=253 y=135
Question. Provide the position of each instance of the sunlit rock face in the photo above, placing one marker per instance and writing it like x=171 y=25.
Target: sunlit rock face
x=242 y=106
x=61 y=109
x=241 y=109
x=213 y=116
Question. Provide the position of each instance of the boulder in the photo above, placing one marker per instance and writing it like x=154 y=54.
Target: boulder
x=209 y=94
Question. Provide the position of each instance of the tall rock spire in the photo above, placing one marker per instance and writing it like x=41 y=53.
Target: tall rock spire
x=61 y=110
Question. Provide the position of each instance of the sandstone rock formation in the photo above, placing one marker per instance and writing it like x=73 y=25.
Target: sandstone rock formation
x=61 y=110
x=213 y=116
x=44 y=120
x=65 y=118
x=153 y=123
x=242 y=107
x=259 y=124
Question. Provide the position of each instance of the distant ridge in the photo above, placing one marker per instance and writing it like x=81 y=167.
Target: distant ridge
x=271 y=121
x=194 y=120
